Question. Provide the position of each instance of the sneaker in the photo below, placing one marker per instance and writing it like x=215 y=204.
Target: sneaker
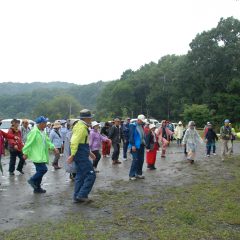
x=11 y=173
x=140 y=176
x=56 y=167
x=208 y=155
x=107 y=156
x=124 y=159
x=214 y=154
x=39 y=190
x=21 y=171
x=152 y=168
x=82 y=200
x=132 y=178
x=31 y=182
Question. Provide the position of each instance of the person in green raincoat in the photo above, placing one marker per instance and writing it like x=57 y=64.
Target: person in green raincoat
x=37 y=149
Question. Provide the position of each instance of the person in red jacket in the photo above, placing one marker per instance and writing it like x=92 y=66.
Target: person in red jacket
x=15 y=148
x=3 y=136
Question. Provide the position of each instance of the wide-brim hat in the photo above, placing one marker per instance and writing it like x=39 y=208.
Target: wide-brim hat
x=15 y=121
x=95 y=123
x=56 y=125
x=85 y=113
x=179 y=123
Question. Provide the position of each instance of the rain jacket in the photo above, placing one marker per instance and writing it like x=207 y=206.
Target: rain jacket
x=37 y=146
x=2 y=136
x=95 y=140
x=13 y=142
x=56 y=138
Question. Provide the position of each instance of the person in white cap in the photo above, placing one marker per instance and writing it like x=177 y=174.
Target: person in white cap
x=95 y=141
x=152 y=147
x=179 y=133
x=137 y=145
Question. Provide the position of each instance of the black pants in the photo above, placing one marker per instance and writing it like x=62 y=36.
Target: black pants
x=116 y=151
x=98 y=157
x=13 y=157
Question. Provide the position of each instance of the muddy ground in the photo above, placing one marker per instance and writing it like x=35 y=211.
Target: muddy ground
x=19 y=206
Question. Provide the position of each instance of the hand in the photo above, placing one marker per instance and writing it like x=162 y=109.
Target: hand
x=148 y=150
x=16 y=138
x=15 y=147
x=134 y=149
x=70 y=159
x=25 y=156
x=92 y=156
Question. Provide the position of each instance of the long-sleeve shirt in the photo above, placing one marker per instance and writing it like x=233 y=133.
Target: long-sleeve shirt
x=2 y=136
x=95 y=140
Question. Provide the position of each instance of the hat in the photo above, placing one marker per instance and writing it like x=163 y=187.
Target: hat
x=15 y=121
x=179 y=123
x=72 y=121
x=25 y=121
x=85 y=113
x=141 y=117
x=151 y=126
x=226 y=121
x=94 y=123
x=209 y=124
x=56 y=125
x=41 y=119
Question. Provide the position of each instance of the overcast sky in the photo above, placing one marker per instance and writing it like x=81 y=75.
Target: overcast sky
x=85 y=41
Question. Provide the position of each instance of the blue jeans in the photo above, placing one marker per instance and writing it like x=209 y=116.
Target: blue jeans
x=137 y=162
x=41 y=169
x=125 y=148
x=210 y=145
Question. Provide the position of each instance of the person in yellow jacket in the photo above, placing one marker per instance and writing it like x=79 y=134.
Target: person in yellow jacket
x=80 y=153
x=37 y=149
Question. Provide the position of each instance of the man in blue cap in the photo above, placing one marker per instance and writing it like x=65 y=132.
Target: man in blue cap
x=37 y=149
x=226 y=135
x=80 y=153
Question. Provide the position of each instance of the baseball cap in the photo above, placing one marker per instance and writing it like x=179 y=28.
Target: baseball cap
x=141 y=117
x=41 y=119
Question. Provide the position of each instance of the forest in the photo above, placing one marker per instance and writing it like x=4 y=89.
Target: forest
x=203 y=85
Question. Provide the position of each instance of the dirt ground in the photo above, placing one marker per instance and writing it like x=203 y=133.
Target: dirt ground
x=19 y=206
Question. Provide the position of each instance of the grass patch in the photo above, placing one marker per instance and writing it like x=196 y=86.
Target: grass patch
x=208 y=209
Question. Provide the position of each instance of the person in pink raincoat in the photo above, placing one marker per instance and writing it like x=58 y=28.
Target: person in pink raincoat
x=163 y=133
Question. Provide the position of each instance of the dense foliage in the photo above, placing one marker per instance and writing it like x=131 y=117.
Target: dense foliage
x=208 y=75
x=49 y=99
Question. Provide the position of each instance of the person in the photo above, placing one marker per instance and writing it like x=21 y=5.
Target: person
x=179 y=133
x=191 y=140
x=116 y=135
x=126 y=138
x=205 y=129
x=226 y=135
x=106 y=146
x=15 y=148
x=164 y=134
x=56 y=139
x=137 y=145
x=37 y=149
x=233 y=137
x=146 y=128
x=67 y=151
x=48 y=128
x=210 y=139
x=25 y=129
x=4 y=136
x=63 y=131
x=95 y=141
x=170 y=126
x=152 y=147
x=80 y=153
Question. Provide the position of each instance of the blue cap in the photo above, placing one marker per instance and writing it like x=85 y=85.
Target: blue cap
x=41 y=119
x=226 y=121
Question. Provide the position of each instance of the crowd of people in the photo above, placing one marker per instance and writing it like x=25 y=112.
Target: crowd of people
x=82 y=143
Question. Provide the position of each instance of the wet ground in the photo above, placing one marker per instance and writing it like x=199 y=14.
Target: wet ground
x=19 y=206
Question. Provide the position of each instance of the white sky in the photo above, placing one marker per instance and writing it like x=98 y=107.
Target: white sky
x=84 y=41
